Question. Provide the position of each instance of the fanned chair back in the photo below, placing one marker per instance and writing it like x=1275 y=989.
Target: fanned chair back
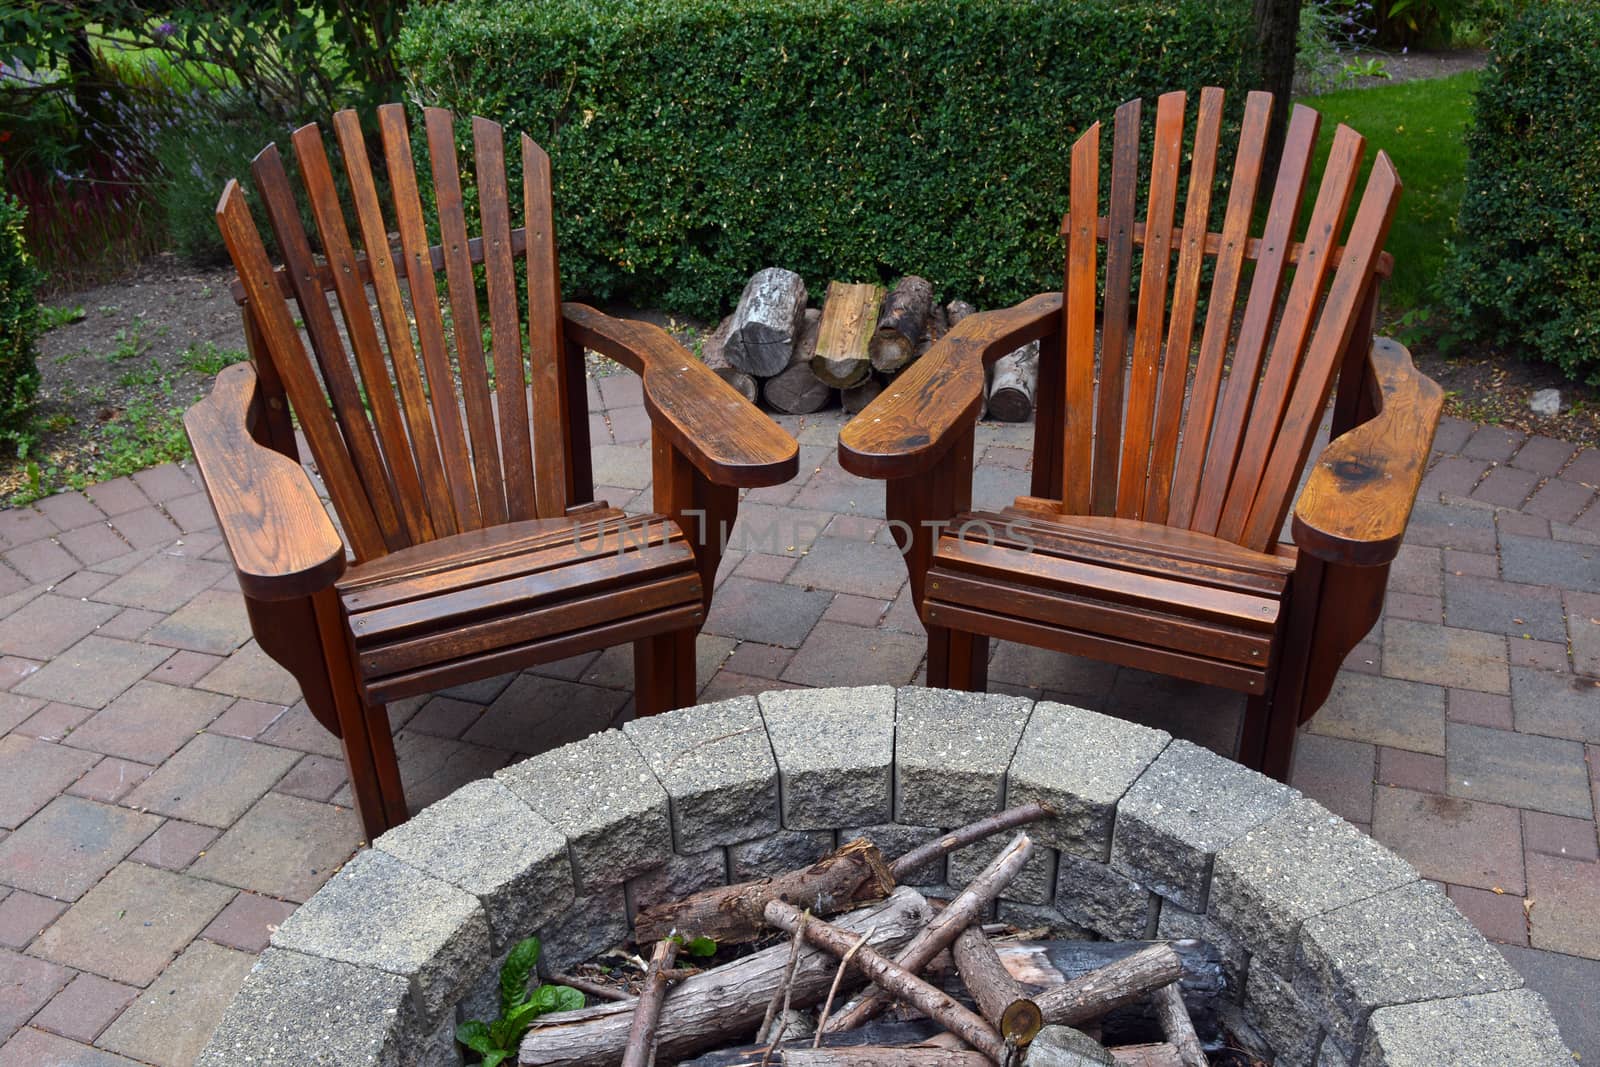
x=417 y=437
x=1201 y=425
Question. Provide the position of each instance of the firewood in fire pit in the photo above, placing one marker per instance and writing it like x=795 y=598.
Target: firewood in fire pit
x=1010 y=819
x=1000 y=997
x=1117 y=983
x=647 y=1012
x=1175 y=1024
x=1062 y=1046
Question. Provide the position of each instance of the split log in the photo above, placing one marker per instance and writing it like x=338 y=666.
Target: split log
x=713 y=353
x=901 y=323
x=1174 y=1019
x=796 y=390
x=766 y=322
x=707 y=1010
x=855 y=399
x=1013 y=381
x=1097 y=992
x=882 y=1056
x=971 y=903
x=954 y=312
x=731 y=914
x=1000 y=997
x=1159 y=1054
x=905 y=987
x=961 y=837
x=641 y=1050
x=849 y=316
x=1062 y=1046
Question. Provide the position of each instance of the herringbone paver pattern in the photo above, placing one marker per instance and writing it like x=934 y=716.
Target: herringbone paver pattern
x=165 y=800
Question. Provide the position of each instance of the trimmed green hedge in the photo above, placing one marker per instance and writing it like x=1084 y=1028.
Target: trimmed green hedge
x=1526 y=270
x=19 y=326
x=695 y=141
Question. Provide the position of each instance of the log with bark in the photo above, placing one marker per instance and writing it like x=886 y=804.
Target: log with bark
x=1175 y=1023
x=1013 y=380
x=1000 y=997
x=718 y=1005
x=796 y=390
x=879 y=1033
x=855 y=399
x=852 y=873
x=766 y=323
x=1092 y=995
x=901 y=323
x=714 y=355
x=954 y=312
x=849 y=316
x=1155 y=1054
x=882 y=1056
x=961 y=837
x=641 y=1050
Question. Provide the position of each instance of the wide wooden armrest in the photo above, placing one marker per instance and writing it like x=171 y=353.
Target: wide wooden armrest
x=1357 y=501
x=908 y=427
x=726 y=437
x=282 y=541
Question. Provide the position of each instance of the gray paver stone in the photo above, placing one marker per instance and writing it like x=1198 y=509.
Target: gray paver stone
x=1186 y=806
x=717 y=766
x=835 y=752
x=951 y=753
x=485 y=840
x=1062 y=1046
x=380 y=913
x=1405 y=945
x=895 y=840
x=1080 y=763
x=1279 y=1014
x=601 y=794
x=677 y=878
x=778 y=853
x=1111 y=904
x=1301 y=862
x=1034 y=884
x=296 y=1010
x=590 y=926
x=1510 y=1029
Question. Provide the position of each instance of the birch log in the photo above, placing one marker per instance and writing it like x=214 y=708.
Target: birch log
x=766 y=323
x=1013 y=380
x=796 y=390
x=901 y=323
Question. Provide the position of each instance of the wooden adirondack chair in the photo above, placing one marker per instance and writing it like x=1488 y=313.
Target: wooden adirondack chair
x=1162 y=474
x=463 y=486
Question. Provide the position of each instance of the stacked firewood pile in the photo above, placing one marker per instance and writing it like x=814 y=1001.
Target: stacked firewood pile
x=855 y=946
x=796 y=359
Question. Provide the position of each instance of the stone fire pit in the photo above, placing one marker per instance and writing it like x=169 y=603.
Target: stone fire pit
x=1338 y=954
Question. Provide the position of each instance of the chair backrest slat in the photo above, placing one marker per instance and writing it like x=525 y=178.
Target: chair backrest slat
x=1185 y=297
x=1118 y=298
x=505 y=326
x=544 y=336
x=1078 y=309
x=1164 y=161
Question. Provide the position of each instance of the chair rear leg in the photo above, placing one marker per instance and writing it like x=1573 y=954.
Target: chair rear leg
x=969 y=662
x=664 y=672
x=1253 y=732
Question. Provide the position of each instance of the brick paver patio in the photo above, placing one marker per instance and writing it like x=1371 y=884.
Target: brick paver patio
x=164 y=801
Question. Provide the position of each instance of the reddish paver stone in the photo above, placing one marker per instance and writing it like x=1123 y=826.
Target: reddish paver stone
x=68 y=511
x=729 y=684
x=31 y=1048
x=130 y=926
x=82 y=584
x=110 y=780
x=1453 y=433
x=1416 y=570
x=192 y=513
x=34 y=772
x=213 y=622
x=1560 y=500
x=93 y=672
x=95 y=543
x=40 y=561
x=1505 y=487
x=1523 y=525
x=864 y=568
x=1413 y=606
x=146 y=527
x=1411 y=770
x=18 y=526
x=1557 y=835
x=213 y=779
x=149 y=722
x=167 y=481
x=24 y=915
x=246 y=719
x=284 y=846
x=764 y=567
x=1452 y=840
x=117 y=496
x=1474 y=564
x=1336 y=772
x=15 y=709
x=247 y=923
x=1544 y=455
x=298 y=729
x=163 y=582
x=1583 y=631
x=172 y=1021
x=1542 y=773
x=15 y=668
x=85 y=1007
x=26 y=985
x=1540 y=655
x=1496 y=443
x=767 y=612
x=70 y=845
x=1479 y=709
x=856 y=610
x=758 y=660
x=1566 y=905
x=174 y=845
x=1498 y=916
x=1445 y=655
x=249 y=672
x=314 y=778
x=54 y=721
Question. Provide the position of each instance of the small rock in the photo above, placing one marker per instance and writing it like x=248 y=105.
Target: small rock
x=1546 y=402
x=1062 y=1046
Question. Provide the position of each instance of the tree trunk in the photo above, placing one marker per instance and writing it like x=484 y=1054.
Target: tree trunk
x=796 y=390
x=901 y=323
x=766 y=324
x=1277 y=27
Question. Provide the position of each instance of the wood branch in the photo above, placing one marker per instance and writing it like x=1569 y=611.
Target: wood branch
x=1115 y=984
x=901 y=984
x=593 y=989
x=1160 y=1054
x=1175 y=1023
x=1013 y=381
x=901 y=323
x=766 y=322
x=883 y=1056
x=954 y=312
x=715 y=1006
x=1000 y=997
x=641 y=1049
x=969 y=905
x=781 y=994
x=849 y=316
x=731 y=914
x=878 y=1033
x=796 y=390
x=855 y=399
x=714 y=355
x=963 y=836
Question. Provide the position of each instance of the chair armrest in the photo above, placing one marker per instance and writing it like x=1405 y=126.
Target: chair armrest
x=908 y=427
x=726 y=437
x=282 y=541
x=1358 y=499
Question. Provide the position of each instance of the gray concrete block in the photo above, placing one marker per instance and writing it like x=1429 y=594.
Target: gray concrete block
x=1186 y=806
x=1036 y=916
x=587 y=928
x=779 y=853
x=1510 y=1029
x=439 y=1049
x=602 y=795
x=1404 y=945
x=895 y=840
x=1080 y=763
x=484 y=839
x=835 y=752
x=1034 y=884
x=718 y=770
x=951 y=753
x=377 y=912
x=1330 y=1056
x=1283 y=1019
x=1174 y=923
x=296 y=1010
x=1111 y=904
x=1300 y=863
x=677 y=878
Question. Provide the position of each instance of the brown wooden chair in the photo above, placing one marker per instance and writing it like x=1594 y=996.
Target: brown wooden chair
x=1162 y=471
x=461 y=478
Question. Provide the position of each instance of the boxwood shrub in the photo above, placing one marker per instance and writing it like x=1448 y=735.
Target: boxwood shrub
x=19 y=327
x=1526 y=268
x=695 y=141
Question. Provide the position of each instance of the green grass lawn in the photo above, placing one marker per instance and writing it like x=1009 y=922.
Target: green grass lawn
x=1421 y=125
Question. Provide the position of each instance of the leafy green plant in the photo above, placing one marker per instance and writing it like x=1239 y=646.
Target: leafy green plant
x=19 y=328
x=130 y=343
x=207 y=358
x=496 y=1041
x=52 y=316
x=1369 y=67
